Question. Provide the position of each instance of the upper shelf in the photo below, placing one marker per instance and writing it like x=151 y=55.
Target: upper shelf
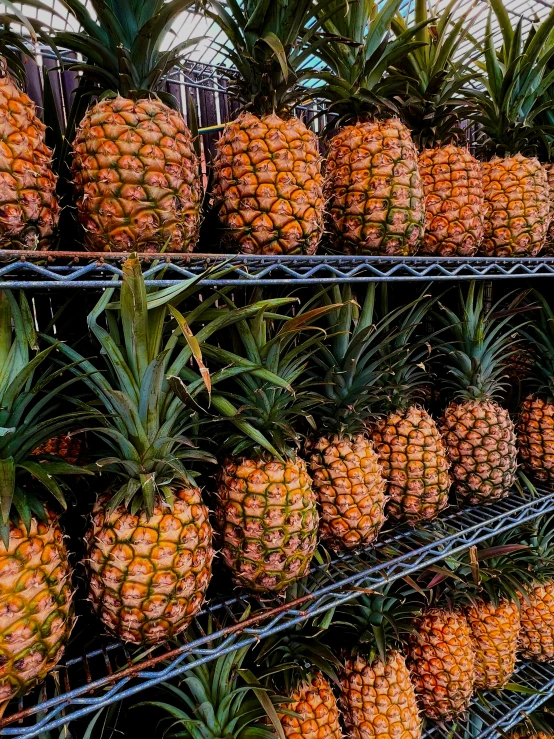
x=22 y=269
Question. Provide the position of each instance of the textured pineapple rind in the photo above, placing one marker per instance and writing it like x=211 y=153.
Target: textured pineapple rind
x=374 y=188
x=441 y=660
x=454 y=201
x=378 y=698
x=29 y=211
x=480 y=440
x=148 y=577
x=268 y=185
x=268 y=521
x=536 y=637
x=494 y=634
x=350 y=487
x=517 y=206
x=36 y=605
x=136 y=178
x=415 y=464
x=535 y=436
x=316 y=705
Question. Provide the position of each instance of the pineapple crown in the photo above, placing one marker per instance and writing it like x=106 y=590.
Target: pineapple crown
x=359 y=48
x=516 y=78
x=375 y=622
x=493 y=573
x=122 y=47
x=268 y=397
x=269 y=46
x=359 y=357
x=432 y=78
x=540 y=333
x=537 y=560
x=481 y=344
x=146 y=420
x=28 y=417
x=221 y=699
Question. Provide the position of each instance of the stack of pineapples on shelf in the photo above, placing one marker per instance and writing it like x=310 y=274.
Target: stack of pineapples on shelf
x=399 y=98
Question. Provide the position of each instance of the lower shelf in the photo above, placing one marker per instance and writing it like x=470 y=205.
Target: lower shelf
x=496 y=712
x=105 y=671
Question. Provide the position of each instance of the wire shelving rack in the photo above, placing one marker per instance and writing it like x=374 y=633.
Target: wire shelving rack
x=111 y=671
x=34 y=270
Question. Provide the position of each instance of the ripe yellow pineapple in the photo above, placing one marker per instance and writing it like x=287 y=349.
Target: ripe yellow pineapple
x=268 y=520
x=266 y=512
x=517 y=206
x=346 y=473
x=441 y=659
x=515 y=185
x=149 y=574
x=268 y=183
x=374 y=188
x=429 y=79
x=479 y=433
x=36 y=611
x=36 y=603
x=268 y=186
x=29 y=211
x=378 y=698
x=136 y=172
x=314 y=701
x=494 y=633
x=535 y=428
x=454 y=201
x=549 y=243
x=537 y=623
x=407 y=440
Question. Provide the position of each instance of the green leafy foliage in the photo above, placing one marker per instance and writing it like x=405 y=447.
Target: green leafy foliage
x=516 y=78
x=539 y=332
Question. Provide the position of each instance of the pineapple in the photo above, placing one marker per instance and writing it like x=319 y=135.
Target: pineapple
x=149 y=545
x=345 y=468
x=268 y=185
x=517 y=210
x=549 y=247
x=135 y=169
x=29 y=210
x=524 y=734
x=406 y=438
x=441 y=659
x=373 y=184
x=64 y=446
x=494 y=632
x=36 y=609
x=479 y=433
x=313 y=699
x=377 y=696
x=267 y=508
x=432 y=106
x=537 y=623
x=535 y=430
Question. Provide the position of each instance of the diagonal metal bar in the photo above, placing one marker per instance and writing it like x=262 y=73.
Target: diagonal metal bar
x=399 y=553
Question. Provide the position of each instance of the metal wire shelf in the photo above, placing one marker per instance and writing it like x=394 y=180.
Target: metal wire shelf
x=496 y=713
x=22 y=269
x=112 y=671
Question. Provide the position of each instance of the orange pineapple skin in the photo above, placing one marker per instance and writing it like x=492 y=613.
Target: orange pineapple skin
x=517 y=209
x=269 y=185
x=374 y=188
x=523 y=734
x=29 y=210
x=536 y=637
x=415 y=464
x=136 y=178
x=148 y=577
x=441 y=660
x=378 y=699
x=535 y=436
x=350 y=488
x=268 y=521
x=69 y=448
x=549 y=244
x=494 y=634
x=454 y=202
x=480 y=439
x=319 y=715
x=36 y=605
